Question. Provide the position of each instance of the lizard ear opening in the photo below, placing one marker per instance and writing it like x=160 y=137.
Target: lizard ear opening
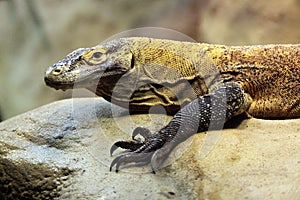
x=132 y=62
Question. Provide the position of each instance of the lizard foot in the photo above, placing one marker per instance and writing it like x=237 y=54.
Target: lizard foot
x=135 y=143
x=153 y=149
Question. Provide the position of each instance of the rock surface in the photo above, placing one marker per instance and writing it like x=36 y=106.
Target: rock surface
x=61 y=151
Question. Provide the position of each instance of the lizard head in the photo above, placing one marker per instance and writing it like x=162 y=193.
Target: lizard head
x=85 y=66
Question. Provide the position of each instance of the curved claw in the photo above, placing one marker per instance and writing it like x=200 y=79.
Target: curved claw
x=153 y=163
x=113 y=148
x=114 y=162
x=141 y=152
x=130 y=145
x=139 y=159
x=144 y=132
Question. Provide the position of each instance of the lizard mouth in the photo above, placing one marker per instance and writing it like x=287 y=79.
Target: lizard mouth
x=90 y=81
x=86 y=83
x=58 y=85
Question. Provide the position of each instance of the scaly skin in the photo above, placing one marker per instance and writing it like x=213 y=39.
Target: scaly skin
x=200 y=84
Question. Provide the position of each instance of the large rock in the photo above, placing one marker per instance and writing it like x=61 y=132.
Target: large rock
x=61 y=151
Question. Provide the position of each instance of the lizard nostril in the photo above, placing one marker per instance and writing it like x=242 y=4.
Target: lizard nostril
x=57 y=71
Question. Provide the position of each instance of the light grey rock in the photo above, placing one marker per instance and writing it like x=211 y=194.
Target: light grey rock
x=61 y=151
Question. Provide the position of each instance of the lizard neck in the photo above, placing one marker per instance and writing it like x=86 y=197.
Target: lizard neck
x=162 y=74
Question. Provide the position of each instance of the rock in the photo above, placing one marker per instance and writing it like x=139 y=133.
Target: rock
x=61 y=151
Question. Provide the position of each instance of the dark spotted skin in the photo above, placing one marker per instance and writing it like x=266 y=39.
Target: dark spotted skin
x=270 y=74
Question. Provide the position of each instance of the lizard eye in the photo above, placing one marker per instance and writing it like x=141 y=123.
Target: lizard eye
x=97 y=54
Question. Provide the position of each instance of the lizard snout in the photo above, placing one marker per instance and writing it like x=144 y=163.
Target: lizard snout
x=55 y=77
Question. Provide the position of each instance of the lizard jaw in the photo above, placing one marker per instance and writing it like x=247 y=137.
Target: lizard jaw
x=85 y=83
x=58 y=85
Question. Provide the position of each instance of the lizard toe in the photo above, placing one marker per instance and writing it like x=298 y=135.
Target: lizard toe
x=129 y=145
x=144 y=132
x=140 y=153
x=131 y=159
x=160 y=156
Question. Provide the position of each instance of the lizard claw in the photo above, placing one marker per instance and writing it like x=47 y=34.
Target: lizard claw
x=144 y=132
x=130 y=145
x=132 y=159
x=141 y=153
x=136 y=159
x=112 y=149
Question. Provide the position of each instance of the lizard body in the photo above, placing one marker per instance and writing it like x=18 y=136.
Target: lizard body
x=192 y=81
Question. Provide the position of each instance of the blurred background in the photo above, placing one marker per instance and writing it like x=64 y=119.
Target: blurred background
x=34 y=34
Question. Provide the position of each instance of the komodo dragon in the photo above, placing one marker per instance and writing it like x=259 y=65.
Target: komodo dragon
x=138 y=72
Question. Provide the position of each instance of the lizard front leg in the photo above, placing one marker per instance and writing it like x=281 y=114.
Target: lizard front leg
x=227 y=100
